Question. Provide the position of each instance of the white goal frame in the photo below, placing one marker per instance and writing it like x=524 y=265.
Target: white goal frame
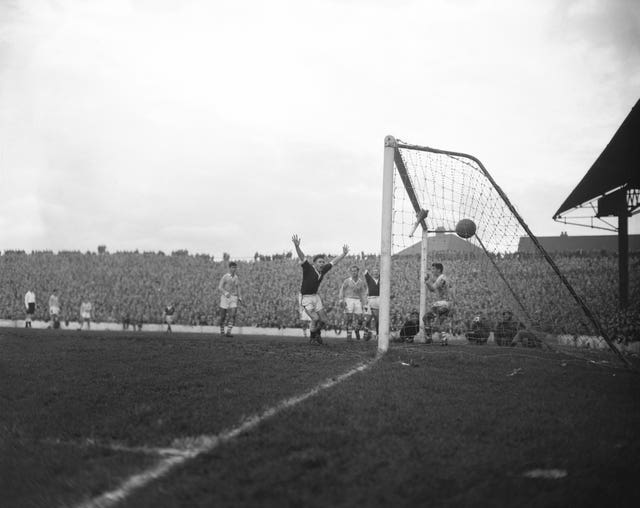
x=386 y=248
x=391 y=146
x=386 y=244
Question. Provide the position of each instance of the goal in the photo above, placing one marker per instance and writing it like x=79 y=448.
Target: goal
x=497 y=266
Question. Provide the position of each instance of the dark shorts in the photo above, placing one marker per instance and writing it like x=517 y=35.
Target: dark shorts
x=31 y=308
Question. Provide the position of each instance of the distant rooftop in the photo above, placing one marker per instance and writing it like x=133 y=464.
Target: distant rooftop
x=566 y=243
x=442 y=242
x=447 y=242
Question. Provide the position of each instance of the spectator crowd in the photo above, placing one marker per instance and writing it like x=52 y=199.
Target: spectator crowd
x=133 y=288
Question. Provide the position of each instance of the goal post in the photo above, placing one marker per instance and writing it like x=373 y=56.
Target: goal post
x=497 y=267
x=391 y=160
x=386 y=244
x=424 y=251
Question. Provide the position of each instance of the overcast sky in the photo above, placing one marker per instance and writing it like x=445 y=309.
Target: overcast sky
x=230 y=125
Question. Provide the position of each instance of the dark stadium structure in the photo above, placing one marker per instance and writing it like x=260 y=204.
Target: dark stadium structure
x=611 y=188
x=565 y=244
x=579 y=244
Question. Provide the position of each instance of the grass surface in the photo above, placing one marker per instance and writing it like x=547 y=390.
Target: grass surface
x=426 y=425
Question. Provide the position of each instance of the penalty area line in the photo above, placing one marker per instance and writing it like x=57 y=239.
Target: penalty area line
x=193 y=447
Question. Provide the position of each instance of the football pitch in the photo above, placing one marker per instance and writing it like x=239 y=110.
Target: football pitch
x=141 y=419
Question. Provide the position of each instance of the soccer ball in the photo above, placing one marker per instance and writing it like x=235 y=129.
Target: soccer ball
x=466 y=228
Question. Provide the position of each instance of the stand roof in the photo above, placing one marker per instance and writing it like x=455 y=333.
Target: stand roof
x=617 y=166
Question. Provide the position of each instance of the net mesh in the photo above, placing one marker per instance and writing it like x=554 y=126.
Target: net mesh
x=497 y=270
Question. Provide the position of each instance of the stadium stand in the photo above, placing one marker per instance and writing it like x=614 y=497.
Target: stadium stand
x=136 y=286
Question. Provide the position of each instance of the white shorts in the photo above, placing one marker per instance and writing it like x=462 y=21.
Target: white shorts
x=230 y=302
x=353 y=306
x=168 y=319
x=85 y=315
x=311 y=303
x=441 y=307
x=54 y=311
x=303 y=314
x=374 y=302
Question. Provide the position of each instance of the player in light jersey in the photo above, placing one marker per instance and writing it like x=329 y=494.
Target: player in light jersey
x=229 y=287
x=353 y=294
x=30 y=305
x=442 y=306
x=54 y=309
x=85 y=314
x=312 y=275
x=373 y=300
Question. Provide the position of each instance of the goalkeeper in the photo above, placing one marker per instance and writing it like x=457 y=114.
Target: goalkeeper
x=312 y=275
x=410 y=328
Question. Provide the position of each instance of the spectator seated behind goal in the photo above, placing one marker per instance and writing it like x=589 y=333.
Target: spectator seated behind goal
x=410 y=328
x=479 y=331
x=531 y=338
x=506 y=329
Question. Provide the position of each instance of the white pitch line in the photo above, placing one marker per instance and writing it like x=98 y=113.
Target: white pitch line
x=204 y=444
x=117 y=447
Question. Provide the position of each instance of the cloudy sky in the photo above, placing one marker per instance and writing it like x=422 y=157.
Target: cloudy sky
x=230 y=125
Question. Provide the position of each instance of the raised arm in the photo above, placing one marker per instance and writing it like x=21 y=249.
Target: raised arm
x=427 y=282
x=296 y=242
x=364 y=293
x=345 y=251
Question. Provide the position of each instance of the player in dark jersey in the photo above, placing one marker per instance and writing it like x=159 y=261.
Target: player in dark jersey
x=167 y=314
x=373 y=301
x=312 y=275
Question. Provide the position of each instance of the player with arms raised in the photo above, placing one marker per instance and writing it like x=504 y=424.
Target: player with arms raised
x=312 y=275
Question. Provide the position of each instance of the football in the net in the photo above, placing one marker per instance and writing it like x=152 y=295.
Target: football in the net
x=466 y=228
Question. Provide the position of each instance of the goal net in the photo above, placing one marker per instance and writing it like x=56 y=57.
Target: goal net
x=500 y=274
